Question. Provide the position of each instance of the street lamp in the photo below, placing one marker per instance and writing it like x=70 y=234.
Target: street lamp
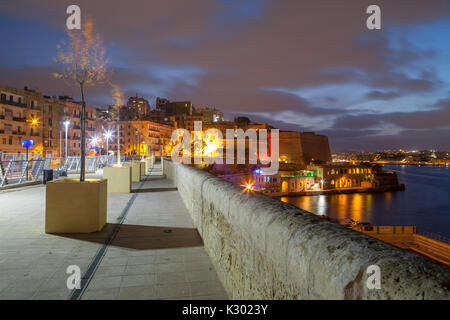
x=66 y=125
x=108 y=135
x=94 y=140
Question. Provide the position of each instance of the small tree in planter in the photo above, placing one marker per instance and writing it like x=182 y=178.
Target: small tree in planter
x=83 y=58
x=73 y=206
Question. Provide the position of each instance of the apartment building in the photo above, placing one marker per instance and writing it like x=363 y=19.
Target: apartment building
x=71 y=112
x=143 y=138
x=20 y=119
x=26 y=114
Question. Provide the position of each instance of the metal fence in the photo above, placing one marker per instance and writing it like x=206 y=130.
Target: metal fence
x=434 y=236
x=20 y=171
x=18 y=156
x=73 y=163
x=15 y=169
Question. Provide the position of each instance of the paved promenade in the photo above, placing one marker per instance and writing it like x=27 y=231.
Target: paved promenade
x=157 y=252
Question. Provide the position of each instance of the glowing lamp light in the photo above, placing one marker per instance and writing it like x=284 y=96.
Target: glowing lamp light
x=108 y=134
x=210 y=147
x=258 y=171
x=94 y=140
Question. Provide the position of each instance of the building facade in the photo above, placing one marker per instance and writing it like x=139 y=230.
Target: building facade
x=26 y=114
x=344 y=176
x=142 y=138
x=20 y=119
x=137 y=108
x=303 y=148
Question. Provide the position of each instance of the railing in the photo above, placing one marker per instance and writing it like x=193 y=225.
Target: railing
x=13 y=103
x=20 y=171
x=93 y=163
x=433 y=236
x=12 y=156
x=132 y=157
x=14 y=166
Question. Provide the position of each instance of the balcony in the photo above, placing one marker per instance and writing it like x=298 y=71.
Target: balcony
x=90 y=129
x=34 y=134
x=19 y=119
x=19 y=133
x=76 y=127
x=76 y=115
x=35 y=108
x=13 y=103
x=76 y=138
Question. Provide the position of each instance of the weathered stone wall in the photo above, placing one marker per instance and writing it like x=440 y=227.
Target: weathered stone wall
x=265 y=249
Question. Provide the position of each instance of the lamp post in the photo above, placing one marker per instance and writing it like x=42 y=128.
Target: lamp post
x=108 y=135
x=66 y=125
x=94 y=141
x=27 y=144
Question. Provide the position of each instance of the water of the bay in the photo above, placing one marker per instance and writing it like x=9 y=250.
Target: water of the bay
x=425 y=203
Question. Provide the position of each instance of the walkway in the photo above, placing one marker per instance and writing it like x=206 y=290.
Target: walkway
x=156 y=254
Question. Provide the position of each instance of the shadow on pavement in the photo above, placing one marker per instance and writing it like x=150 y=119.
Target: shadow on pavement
x=142 y=237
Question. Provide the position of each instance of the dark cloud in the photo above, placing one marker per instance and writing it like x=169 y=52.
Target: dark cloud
x=437 y=117
x=380 y=95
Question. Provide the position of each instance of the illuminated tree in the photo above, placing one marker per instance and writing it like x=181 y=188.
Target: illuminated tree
x=83 y=58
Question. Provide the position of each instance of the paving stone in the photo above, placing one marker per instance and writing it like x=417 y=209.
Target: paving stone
x=143 y=262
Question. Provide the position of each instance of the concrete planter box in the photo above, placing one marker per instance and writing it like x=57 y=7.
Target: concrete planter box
x=135 y=171
x=119 y=179
x=148 y=163
x=143 y=167
x=72 y=206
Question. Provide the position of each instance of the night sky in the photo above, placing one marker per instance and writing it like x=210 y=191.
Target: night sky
x=298 y=65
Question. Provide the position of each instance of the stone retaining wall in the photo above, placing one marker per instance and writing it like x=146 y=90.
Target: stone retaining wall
x=263 y=248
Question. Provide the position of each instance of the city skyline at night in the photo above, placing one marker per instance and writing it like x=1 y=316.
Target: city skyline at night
x=298 y=66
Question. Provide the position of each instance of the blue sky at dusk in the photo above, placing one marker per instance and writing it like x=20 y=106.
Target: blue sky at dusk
x=298 y=65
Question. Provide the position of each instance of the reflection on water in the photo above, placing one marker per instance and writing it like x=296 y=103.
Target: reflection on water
x=424 y=203
x=340 y=207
